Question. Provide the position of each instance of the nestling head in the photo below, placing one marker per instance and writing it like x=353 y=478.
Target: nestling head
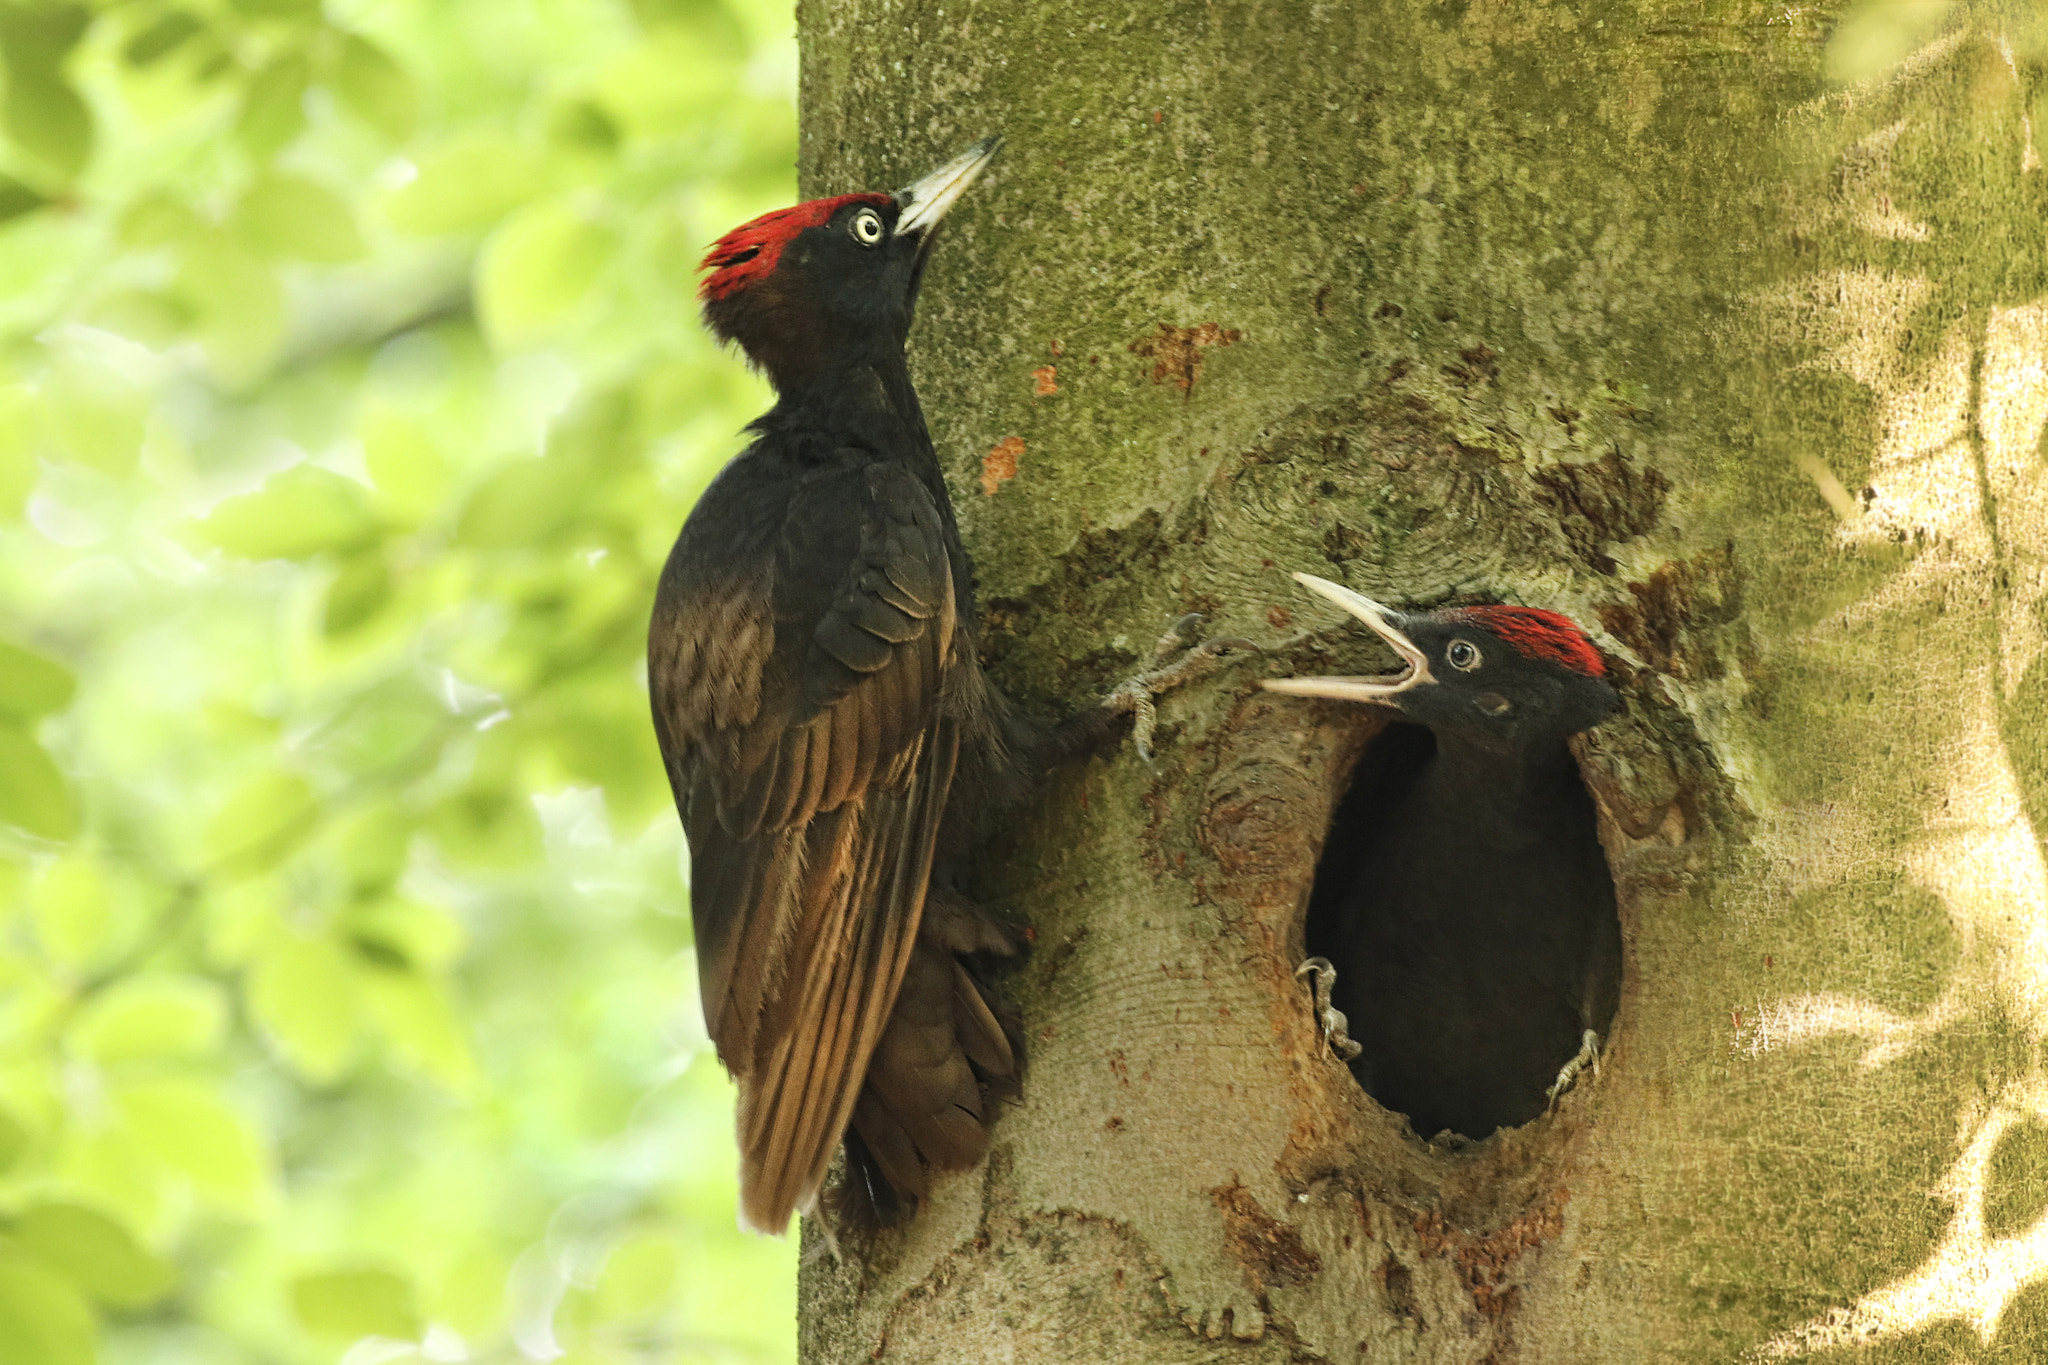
x=1506 y=678
x=831 y=278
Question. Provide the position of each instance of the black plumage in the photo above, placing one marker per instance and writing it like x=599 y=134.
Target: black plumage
x=1464 y=900
x=829 y=734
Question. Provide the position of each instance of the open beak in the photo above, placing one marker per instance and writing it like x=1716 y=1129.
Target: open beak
x=924 y=203
x=1382 y=621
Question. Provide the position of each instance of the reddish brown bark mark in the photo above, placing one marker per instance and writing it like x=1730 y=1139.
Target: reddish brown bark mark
x=1176 y=352
x=1272 y=1253
x=999 y=466
x=1484 y=1263
x=1672 y=619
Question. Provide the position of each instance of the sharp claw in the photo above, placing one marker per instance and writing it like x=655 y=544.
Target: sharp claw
x=1135 y=694
x=1179 y=636
x=1330 y=1020
x=1147 y=721
x=1588 y=1056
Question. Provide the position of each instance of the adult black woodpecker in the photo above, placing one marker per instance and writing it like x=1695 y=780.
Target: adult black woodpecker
x=1476 y=950
x=827 y=730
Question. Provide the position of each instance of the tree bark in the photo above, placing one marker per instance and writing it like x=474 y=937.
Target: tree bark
x=1720 y=326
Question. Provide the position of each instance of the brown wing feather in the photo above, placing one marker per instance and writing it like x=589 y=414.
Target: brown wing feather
x=800 y=716
x=805 y=1080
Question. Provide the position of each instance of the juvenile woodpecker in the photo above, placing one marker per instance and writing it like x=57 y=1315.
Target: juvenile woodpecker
x=1476 y=950
x=827 y=730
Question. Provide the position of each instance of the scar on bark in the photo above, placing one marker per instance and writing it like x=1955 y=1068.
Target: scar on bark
x=1176 y=352
x=1672 y=618
x=1485 y=1263
x=999 y=466
x=1272 y=1253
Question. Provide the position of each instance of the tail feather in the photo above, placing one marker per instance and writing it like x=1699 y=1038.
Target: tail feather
x=950 y=1054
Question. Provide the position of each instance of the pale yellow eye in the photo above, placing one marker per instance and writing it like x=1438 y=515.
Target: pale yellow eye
x=1463 y=655
x=867 y=227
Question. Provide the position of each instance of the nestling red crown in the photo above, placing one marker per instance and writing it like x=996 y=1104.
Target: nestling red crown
x=749 y=252
x=1536 y=634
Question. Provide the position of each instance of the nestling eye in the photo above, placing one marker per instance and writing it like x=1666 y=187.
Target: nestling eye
x=867 y=227
x=1463 y=655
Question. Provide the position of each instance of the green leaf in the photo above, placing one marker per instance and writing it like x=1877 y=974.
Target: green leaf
x=189 y=1128
x=580 y=125
x=536 y=268
x=146 y=315
x=356 y=1303
x=273 y=108
x=465 y=184
x=298 y=513
x=155 y=219
x=73 y=910
x=14 y=1138
x=47 y=120
x=95 y=415
x=32 y=684
x=43 y=1320
x=410 y=473
x=94 y=1252
x=302 y=993
x=282 y=214
x=375 y=88
x=18 y=469
x=639 y=1278
x=374 y=842
x=522 y=505
x=33 y=793
x=161 y=39
x=422 y=1026
x=358 y=593
x=414 y=934
x=157 y=1014
x=17 y=198
x=261 y=824
x=237 y=300
x=471 y=1294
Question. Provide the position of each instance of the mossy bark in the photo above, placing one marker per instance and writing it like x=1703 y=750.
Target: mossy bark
x=1722 y=327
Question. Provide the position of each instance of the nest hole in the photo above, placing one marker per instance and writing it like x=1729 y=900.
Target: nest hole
x=1468 y=976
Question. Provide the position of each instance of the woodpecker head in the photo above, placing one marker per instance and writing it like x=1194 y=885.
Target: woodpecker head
x=1507 y=678
x=831 y=277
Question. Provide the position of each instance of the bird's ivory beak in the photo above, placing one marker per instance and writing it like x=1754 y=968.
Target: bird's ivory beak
x=925 y=202
x=1381 y=620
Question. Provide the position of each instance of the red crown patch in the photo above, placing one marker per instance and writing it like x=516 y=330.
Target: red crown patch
x=749 y=252
x=1537 y=634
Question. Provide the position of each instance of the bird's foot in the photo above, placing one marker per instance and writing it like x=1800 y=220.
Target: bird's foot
x=1198 y=658
x=1588 y=1056
x=1330 y=1020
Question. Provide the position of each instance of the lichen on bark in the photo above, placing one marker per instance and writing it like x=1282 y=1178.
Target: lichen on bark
x=1640 y=311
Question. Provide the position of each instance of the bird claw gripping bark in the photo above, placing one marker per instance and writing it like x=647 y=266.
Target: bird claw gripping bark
x=1588 y=1056
x=1197 y=659
x=1330 y=1020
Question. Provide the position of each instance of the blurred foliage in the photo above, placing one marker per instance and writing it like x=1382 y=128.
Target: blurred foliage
x=351 y=392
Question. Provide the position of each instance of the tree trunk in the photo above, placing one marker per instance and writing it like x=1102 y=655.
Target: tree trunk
x=1720 y=326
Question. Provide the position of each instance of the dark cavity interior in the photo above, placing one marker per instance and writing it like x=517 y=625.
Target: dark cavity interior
x=1471 y=989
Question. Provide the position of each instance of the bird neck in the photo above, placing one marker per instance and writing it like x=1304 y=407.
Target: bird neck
x=866 y=399
x=1511 y=789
